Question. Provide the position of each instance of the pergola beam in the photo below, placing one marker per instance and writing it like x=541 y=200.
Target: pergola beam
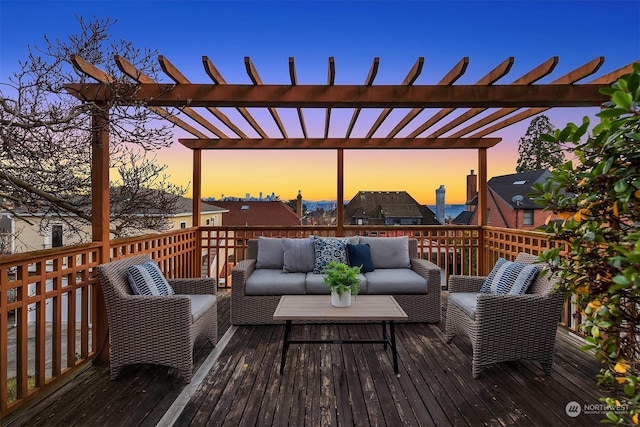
x=339 y=143
x=331 y=80
x=353 y=96
x=255 y=78
x=294 y=81
x=373 y=71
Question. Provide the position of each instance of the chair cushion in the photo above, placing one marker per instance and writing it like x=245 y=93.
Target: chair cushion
x=329 y=249
x=200 y=304
x=360 y=256
x=270 y=253
x=384 y=281
x=509 y=277
x=147 y=279
x=315 y=284
x=466 y=301
x=389 y=252
x=274 y=282
x=299 y=255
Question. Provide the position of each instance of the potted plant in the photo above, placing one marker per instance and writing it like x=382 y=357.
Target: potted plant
x=342 y=281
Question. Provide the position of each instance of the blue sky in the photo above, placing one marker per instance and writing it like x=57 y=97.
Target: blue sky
x=353 y=32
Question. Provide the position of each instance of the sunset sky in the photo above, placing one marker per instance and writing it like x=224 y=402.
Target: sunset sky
x=353 y=33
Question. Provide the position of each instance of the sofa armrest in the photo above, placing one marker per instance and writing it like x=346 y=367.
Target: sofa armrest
x=239 y=274
x=463 y=283
x=428 y=270
x=194 y=286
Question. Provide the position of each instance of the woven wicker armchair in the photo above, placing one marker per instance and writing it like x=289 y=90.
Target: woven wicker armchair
x=505 y=327
x=156 y=329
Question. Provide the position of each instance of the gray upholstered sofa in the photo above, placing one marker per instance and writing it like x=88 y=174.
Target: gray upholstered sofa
x=282 y=266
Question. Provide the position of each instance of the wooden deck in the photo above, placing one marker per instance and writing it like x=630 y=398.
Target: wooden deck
x=329 y=384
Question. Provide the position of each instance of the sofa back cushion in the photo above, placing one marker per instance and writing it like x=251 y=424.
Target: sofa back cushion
x=270 y=253
x=388 y=252
x=298 y=255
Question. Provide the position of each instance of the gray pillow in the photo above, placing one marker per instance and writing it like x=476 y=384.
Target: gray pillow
x=298 y=255
x=270 y=253
x=388 y=252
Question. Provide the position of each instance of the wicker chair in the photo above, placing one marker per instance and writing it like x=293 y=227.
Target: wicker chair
x=505 y=327
x=156 y=329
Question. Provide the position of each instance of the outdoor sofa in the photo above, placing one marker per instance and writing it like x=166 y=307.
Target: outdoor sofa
x=284 y=266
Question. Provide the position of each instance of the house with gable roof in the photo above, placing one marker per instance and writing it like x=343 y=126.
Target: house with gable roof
x=387 y=208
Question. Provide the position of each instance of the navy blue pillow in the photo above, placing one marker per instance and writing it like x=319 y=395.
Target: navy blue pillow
x=360 y=256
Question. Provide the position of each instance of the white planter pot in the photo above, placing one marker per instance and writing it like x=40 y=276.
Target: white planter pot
x=337 y=301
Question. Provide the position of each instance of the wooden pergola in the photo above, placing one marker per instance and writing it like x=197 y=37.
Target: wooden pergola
x=214 y=130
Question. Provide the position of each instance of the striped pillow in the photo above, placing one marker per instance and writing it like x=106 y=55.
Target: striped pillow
x=147 y=279
x=510 y=278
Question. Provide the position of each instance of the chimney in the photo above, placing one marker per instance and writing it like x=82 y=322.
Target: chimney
x=440 y=206
x=472 y=187
x=299 y=204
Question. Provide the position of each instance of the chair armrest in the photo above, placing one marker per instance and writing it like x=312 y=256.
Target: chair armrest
x=194 y=286
x=146 y=314
x=239 y=274
x=527 y=309
x=428 y=270
x=462 y=283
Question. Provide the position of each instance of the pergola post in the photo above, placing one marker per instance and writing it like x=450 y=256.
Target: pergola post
x=482 y=206
x=100 y=216
x=197 y=208
x=340 y=194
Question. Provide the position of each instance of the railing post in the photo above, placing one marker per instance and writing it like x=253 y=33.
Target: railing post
x=340 y=195
x=100 y=209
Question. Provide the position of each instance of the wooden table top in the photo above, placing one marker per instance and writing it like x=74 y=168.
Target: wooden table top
x=318 y=307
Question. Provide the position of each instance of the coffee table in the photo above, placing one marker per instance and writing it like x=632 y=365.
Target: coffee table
x=370 y=308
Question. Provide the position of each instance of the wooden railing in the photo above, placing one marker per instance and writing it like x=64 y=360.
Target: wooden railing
x=49 y=298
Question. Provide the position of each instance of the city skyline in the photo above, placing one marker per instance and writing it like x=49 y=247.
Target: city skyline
x=353 y=33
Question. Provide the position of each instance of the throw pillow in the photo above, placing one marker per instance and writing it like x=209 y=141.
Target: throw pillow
x=270 y=253
x=513 y=278
x=328 y=249
x=486 y=285
x=389 y=252
x=147 y=279
x=299 y=255
x=360 y=256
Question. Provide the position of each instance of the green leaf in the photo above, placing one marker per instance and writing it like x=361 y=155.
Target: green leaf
x=623 y=99
x=612 y=112
x=620 y=186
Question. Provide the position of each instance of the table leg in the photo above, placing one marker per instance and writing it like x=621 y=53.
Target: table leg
x=385 y=335
x=285 y=345
x=394 y=350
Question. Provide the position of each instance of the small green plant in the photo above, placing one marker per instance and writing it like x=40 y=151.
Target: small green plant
x=342 y=278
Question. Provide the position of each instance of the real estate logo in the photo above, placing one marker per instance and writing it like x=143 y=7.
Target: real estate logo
x=573 y=409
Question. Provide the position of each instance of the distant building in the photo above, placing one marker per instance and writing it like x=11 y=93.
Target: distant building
x=507 y=203
x=387 y=208
x=440 y=204
x=252 y=213
x=26 y=231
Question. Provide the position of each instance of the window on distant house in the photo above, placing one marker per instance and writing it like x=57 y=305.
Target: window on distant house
x=488 y=216
x=208 y=221
x=527 y=217
x=183 y=224
x=56 y=236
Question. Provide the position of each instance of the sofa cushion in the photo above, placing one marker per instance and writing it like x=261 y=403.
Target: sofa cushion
x=270 y=253
x=360 y=256
x=509 y=277
x=299 y=255
x=316 y=286
x=383 y=281
x=200 y=304
x=274 y=282
x=466 y=301
x=147 y=279
x=389 y=252
x=329 y=249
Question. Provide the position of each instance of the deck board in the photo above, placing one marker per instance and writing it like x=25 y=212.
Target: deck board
x=332 y=385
